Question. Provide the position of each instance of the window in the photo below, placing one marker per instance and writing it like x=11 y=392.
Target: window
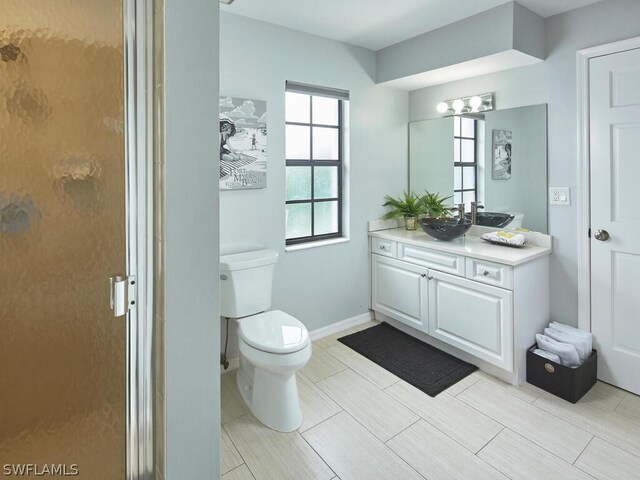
x=314 y=168
x=464 y=161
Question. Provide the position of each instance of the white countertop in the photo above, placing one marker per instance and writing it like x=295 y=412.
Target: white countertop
x=467 y=245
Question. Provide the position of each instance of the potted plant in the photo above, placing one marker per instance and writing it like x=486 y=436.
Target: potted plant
x=434 y=205
x=408 y=206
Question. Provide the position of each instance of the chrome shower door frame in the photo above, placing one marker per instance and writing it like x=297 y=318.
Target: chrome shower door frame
x=138 y=121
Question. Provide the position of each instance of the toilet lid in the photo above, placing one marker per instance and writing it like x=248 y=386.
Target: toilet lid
x=274 y=332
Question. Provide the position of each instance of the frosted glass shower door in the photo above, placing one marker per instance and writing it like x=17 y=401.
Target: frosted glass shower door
x=62 y=235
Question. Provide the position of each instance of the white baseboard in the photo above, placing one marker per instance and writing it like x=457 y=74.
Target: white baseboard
x=317 y=334
x=339 y=326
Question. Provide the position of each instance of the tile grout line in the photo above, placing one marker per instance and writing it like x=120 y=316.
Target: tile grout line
x=530 y=440
x=492 y=439
x=362 y=376
x=386 y=446
x=602 y=439
x=244 y=461
x=315 y=451
x=445 y=433
x=585 y=447
x=404 y=429
x=236 y=468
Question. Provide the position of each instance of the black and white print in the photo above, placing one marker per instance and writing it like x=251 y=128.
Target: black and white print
x=243 y=143
x=502 y=142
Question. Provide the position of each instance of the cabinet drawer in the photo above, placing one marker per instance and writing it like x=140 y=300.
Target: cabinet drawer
x=490 y=273
x=445 y=262
x=384 y=247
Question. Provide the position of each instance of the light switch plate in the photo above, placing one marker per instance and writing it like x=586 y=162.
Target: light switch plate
x=559 y=196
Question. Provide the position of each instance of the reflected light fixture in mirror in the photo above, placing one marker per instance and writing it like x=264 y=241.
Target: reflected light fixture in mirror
x=474 y=104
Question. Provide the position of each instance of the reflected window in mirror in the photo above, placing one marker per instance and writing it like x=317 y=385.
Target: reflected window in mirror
x=465 y=161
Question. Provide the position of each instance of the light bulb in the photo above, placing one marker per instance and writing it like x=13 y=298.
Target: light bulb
x=458 y=105
x=475 y=103
x=442 y=107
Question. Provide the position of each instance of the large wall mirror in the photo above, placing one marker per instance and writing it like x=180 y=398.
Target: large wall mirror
x=498 y=159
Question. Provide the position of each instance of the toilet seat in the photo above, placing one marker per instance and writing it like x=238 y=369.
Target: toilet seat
x=274 y=332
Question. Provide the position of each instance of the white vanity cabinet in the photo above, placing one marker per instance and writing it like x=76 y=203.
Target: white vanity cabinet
x=472 y=316
x=484 y=300
x=399 y=290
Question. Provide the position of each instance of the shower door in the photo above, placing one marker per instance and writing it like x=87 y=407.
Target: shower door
x=64 y=194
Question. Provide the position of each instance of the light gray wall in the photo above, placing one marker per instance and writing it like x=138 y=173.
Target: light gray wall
x=321 y=285
x=507 y=27
x=552 y=82
x=192 y=240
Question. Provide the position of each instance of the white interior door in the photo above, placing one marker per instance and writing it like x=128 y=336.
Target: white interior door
x=614 y=84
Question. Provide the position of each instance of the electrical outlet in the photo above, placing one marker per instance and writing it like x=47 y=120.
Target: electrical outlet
x=559 y=196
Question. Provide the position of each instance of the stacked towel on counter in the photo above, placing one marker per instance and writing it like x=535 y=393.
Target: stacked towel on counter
x=516 y=239
x=570 y=345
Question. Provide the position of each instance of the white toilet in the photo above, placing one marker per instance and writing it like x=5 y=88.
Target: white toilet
x=273 y=344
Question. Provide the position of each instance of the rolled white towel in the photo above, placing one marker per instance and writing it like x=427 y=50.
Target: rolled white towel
x=580 y=342
x=548 y=355
x=587 y=336
x=567 y=353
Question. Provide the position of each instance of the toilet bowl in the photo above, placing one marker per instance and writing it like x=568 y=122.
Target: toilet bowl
x=269 y=360
x=273 y=344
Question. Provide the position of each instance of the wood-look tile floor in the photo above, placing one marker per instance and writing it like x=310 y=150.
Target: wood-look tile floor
x=363 y=423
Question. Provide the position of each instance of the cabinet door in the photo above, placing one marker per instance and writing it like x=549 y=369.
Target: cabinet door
x=399 y=291
x=473 y=317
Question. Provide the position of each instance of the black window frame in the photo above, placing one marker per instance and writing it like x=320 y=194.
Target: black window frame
x=458 y=163
x=312 y=163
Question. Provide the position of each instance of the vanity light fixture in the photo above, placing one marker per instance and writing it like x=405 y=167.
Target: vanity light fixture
x=474 y=104
x=227 y=2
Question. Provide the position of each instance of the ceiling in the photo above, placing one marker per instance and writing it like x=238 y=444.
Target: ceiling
x=375 y=24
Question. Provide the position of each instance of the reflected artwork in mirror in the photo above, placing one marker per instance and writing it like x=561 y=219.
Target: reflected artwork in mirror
x=468 y=157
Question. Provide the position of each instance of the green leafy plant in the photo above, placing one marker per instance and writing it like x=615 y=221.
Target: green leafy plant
x=408 y=205
x=434 y=205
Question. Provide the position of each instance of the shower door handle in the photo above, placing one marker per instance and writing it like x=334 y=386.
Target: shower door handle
x=122 y=294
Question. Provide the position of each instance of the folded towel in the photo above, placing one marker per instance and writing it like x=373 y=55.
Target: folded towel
x=561 y=327
x=567 y=353
x=505 y=237
x=548 y=355
x=580 y=342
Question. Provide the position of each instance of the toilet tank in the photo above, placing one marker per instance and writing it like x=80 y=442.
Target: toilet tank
x=245 y=282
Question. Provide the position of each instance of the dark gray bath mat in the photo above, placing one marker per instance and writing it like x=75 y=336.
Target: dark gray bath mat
x=423 y=366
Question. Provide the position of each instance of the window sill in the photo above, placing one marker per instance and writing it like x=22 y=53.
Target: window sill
x=319 y=243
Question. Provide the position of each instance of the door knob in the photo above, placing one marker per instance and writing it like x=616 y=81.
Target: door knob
x=601 y=235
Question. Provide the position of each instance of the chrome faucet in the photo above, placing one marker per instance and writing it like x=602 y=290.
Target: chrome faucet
x=474 y=212
x=460 y=209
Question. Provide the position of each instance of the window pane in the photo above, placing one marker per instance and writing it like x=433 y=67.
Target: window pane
x=326 y=218
x=298 y=142
x=298 y=183
x=456 y=126
x=325 y=181
x=325 y=110
x=468 y=127
x=469 y=177
x=468 y=198
x=457 y=178
x=468 y=150
x=457 y=198
x=456 y=150
x=298 y=108
x=298 y=220
x=325 y=143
